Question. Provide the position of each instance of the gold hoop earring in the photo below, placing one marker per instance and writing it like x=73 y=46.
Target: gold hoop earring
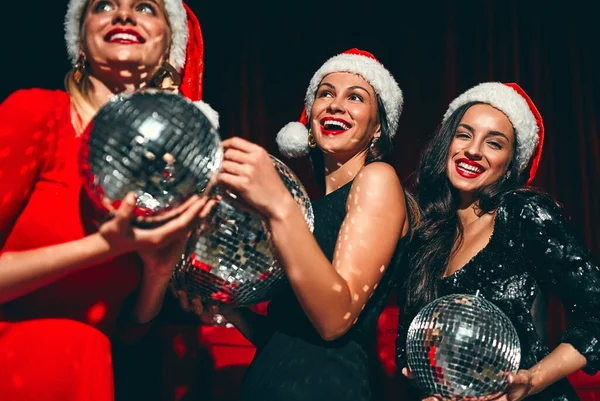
x=79 y=70
x=165 y=71
x=311 y=140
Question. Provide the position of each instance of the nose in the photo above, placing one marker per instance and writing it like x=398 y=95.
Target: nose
x=124 y=15
x=473 y=150
x=335 y=105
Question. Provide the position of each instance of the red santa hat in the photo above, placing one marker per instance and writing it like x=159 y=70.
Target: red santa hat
x=512 y=100
x=293 y=138
x=186 y=54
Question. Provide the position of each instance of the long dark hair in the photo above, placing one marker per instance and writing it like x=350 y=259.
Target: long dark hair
x=379 y=150
x=440 y=230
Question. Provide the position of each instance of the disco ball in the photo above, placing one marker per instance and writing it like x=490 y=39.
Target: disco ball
x=458 y=345
x=231 y=259
x=156 y=144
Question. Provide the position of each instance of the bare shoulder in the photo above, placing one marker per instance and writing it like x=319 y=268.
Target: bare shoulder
x=379 y=177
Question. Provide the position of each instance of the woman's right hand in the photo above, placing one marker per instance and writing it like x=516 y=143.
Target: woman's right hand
x=123 y=237
x=205 y=313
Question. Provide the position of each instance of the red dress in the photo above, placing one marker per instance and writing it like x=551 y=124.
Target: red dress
x=54 y=342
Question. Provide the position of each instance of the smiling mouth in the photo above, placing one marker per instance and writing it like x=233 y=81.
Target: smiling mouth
x=332 y=127
x=467 y=170
x=123 y=38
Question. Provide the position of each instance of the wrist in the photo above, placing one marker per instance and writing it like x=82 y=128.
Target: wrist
x=283 y=209
x=537 y=384
x=150 y=275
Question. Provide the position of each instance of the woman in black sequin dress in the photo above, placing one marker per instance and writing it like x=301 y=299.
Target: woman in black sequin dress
x=315 y=342
x=482 y=230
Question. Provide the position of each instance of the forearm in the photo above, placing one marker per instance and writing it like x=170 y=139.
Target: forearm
x=151 y=296
x=560 y=363
x=323 y=294
x=22 y=272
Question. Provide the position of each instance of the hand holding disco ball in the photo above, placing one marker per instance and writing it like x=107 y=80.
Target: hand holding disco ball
x=156 y=144
x=231 y=260
x=462 y=346
x=161 y=147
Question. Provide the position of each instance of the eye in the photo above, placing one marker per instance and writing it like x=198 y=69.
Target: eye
x=495 y=145
x=355 y=97
x=324 y=93
x=102 y=6
x=462 y=135
x=146 y=8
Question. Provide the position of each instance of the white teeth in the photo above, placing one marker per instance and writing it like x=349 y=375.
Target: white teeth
x=335 y=125
x=470 y=168
x=124 y=36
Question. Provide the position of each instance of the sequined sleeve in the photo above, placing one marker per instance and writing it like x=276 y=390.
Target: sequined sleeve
x=563 y=267
x=403 y=323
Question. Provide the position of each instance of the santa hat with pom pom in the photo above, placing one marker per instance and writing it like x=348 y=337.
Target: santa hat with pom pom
x=186 y=52
x=512 y=100
x=292 y=140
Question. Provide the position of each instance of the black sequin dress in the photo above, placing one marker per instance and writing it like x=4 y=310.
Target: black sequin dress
x=295 y=363
x=531 y=254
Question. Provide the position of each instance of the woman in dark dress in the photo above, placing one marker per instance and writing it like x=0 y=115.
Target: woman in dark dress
x=483 y=230
x=314 y=342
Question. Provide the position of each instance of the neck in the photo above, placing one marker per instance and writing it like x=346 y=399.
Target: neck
x=468 y=210
x=338 y=172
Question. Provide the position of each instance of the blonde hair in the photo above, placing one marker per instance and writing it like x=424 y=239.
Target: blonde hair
x=80 y=90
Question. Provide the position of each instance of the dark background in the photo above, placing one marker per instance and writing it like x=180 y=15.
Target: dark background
x=259 y=60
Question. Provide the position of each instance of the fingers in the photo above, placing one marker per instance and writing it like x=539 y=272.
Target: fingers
x=232 y=181
x=407 y=372
x=183 y=300
x=517 y=378
x=235 y=168
x=197 y=306
x=205 y=211
x=239 y=144
x=125 y=209
x=237 y=156
x=184 y=222
x=169 y=214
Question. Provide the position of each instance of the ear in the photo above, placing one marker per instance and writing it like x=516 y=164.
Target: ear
x=377 y=132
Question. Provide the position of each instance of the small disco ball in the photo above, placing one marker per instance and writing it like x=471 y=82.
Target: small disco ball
x=156 y=144
x=458 y=346
x=231 y=259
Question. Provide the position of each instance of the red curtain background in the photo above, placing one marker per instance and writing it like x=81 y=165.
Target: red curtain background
x=258 y=62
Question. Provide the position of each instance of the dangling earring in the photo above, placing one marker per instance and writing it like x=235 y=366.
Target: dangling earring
x=311 y=140
x=374 y=142
x=166 y=70
x=79 y=70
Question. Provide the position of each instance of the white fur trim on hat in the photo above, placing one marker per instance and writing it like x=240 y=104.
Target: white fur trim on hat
x=177 y=19
x=292 y=140
x=211 y=114
x=514 y=106
x=373 y=72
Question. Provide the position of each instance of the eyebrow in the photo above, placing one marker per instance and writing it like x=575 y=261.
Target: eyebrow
x=349 y=88
x=492 y=133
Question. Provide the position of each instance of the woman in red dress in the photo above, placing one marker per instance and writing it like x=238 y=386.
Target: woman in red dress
x=64 y=283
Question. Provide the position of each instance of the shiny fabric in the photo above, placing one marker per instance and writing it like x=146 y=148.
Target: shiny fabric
x=294 y=363
x=531 y=254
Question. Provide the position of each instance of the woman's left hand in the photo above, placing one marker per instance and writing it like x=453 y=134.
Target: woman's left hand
x=249 y=172
x=160 y=262
x=520 y=385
